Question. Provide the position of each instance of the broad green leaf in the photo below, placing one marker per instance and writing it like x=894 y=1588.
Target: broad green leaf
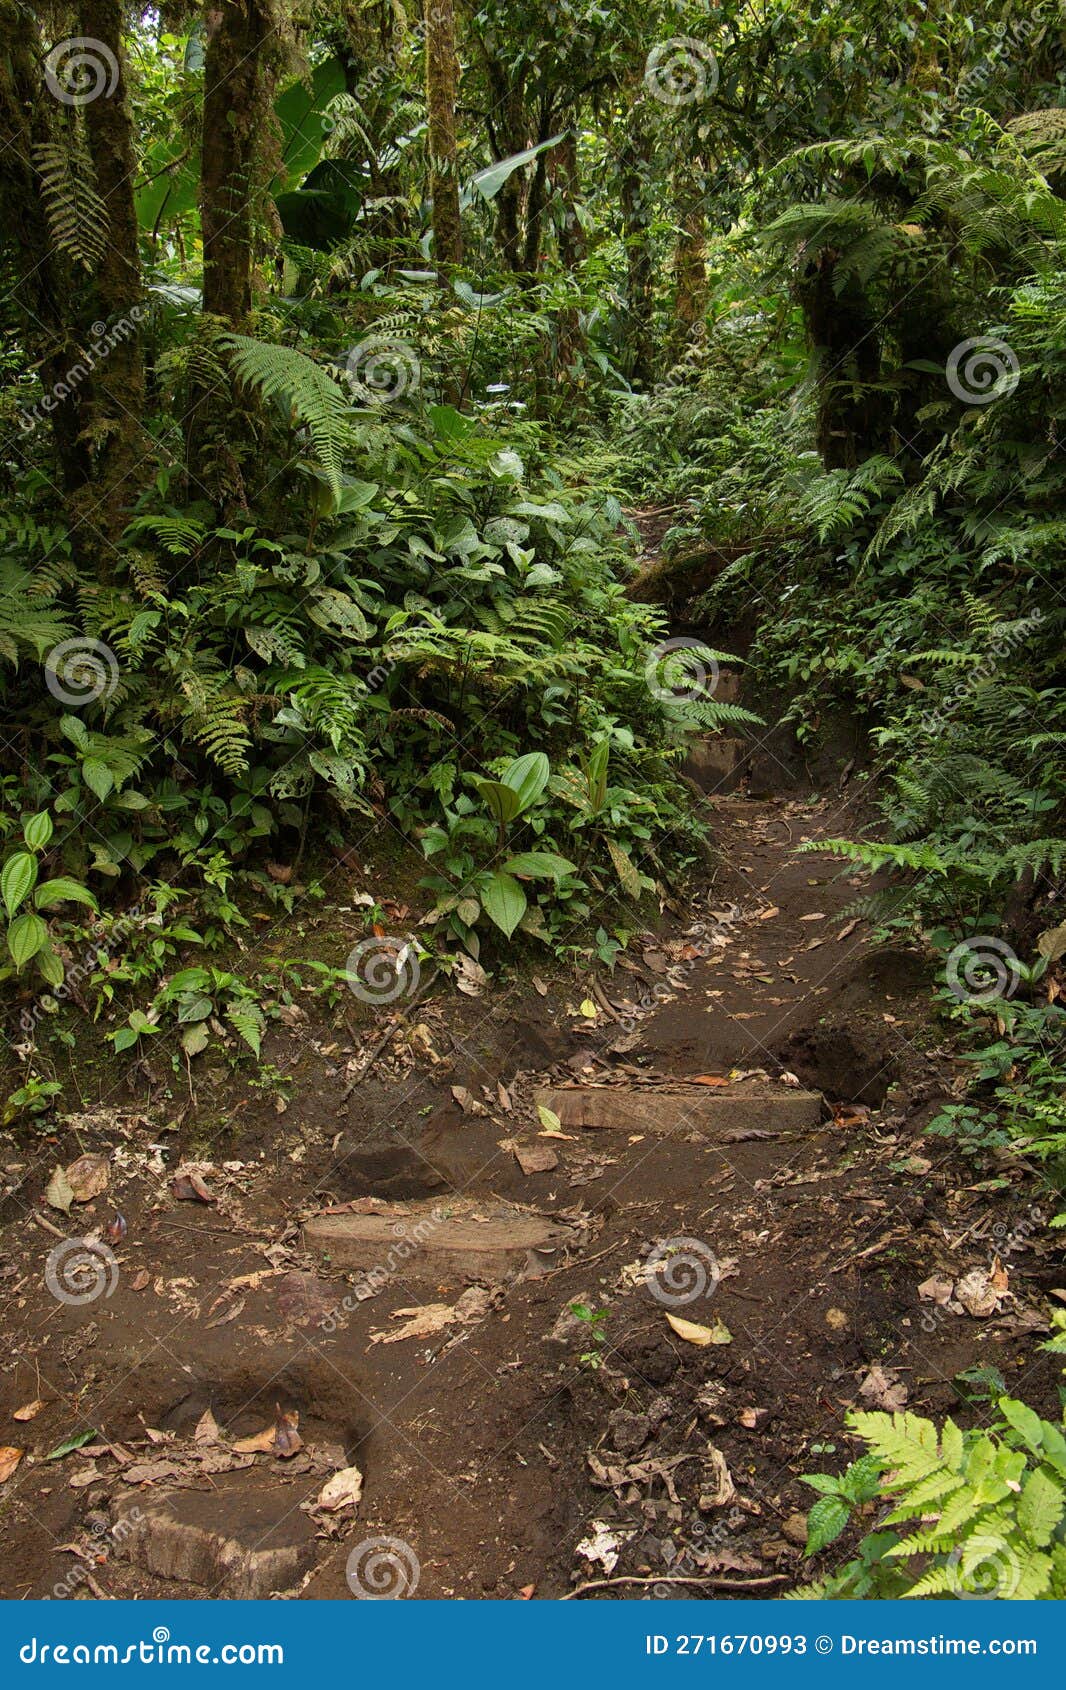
x=487 y=183
x=63 y=890
x=195 y=1039
x=502 y=800
x=539 y=865
x=17 y=880
x=97 y=776
x=503 y=901
x=50 y=966
x=527 y=776
x=37 y=830
x=25 y=937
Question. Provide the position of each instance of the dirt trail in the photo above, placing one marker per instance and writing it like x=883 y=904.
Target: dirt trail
x=508 y=1446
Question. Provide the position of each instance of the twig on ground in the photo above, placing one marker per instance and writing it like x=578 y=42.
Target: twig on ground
x=708 y=1579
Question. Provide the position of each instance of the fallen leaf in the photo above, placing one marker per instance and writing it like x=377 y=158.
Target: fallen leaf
x=423 y=1322
x=140 y=1279
x=343 y=1490
x=9 y=1460
x=206 y=1429
x=980 y=1292
x=230 y=1314
x=78 y=1440
x=467 y=1102
x=588 y=1009
x=30 y=1410
x=693 y=1333
x=602 y=1546
x=884 y=1388
x=87 y=1177
x=188 y=1187
x=58 y=1192
x=470 y=978
x=280 y=1439
x=717 y=1489
x=116 y=1229
x=709 y=1080
x=936 y=1289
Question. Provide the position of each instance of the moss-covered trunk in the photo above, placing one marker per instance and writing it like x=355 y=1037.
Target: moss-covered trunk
x=123 y=448
x=239 y=148
x=442 y=81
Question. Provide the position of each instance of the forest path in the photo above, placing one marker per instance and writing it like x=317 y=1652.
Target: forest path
x=759 y=1077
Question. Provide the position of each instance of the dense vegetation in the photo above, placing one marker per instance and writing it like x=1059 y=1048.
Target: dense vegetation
x=338 y=338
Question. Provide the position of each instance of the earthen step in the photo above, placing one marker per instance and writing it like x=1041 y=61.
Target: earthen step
x=425 y=1242
x=717 y=763
x=244 y=1544
x=719 y=1113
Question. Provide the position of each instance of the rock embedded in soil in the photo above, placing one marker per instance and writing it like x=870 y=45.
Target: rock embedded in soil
x=242 y=1544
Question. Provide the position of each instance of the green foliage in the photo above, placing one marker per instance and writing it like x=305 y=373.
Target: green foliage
x=963 y=1513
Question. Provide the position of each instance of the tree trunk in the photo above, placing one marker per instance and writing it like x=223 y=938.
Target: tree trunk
x=243 y=55
x=44 y=286
x=442 y=80
x=119 y=375
x=690 y=277
x=571 y=242
x=635 y=206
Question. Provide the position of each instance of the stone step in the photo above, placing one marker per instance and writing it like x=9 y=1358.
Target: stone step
x=439 y=1242
x=244 y=1542
x=718 y=1112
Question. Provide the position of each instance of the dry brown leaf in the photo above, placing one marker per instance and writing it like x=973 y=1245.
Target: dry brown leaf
x=58 y=1192
x=88 y=1177
x=422 y=1322
x=343 y=1490
x=708 y=1080
x=206 y=1429
x=30 y=1410
x=693 y=1333
x=884 y=1388
x=936 y=1289
x=280 y=1439
x=9 y=1460
x=717 y=1489
x=188 y=1187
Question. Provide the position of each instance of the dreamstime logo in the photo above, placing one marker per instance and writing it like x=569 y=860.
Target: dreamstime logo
x=982 y=369
x=81 y=1270
x=102 y=1531
x=681 y=1270
x=982 y=968
x=681 y=71
x=77 y=71
x=106 y=336
x=79 y=671
x=679 y=671
x=382 y=969
x=382 y=1569
x=382 y=369
x=984 y=1568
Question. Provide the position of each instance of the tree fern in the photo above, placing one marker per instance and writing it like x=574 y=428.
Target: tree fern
x=311 y=396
